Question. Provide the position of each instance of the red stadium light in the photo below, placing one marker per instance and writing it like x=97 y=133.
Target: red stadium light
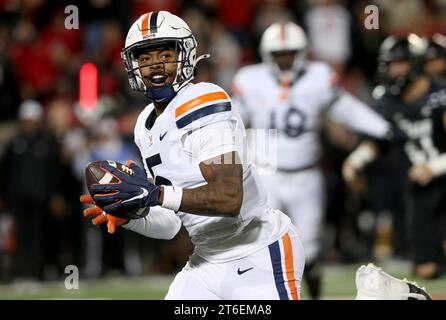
x=88 y=86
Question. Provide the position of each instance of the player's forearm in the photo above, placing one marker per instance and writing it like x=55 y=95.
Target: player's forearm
x=364 y=154
x=160 y=223
x=219 y=198
x=358 y=116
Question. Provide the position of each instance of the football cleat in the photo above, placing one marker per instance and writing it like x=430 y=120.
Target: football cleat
x=372 y=283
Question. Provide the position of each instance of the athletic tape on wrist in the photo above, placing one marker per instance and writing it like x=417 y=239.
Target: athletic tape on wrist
x=172 y=198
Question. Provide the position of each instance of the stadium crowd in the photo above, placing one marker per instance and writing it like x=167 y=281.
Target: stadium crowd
x=46 y=138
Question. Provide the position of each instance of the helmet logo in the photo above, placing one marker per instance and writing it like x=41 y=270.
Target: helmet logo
x=150 y=35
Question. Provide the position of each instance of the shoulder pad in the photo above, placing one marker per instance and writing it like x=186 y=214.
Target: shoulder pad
x=246 y=77
x=202 y=104
x=321 y=69
x=324 y=74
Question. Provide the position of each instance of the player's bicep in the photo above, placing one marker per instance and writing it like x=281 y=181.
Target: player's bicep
x=222 y=195
x=224 y=175
x=223 y=166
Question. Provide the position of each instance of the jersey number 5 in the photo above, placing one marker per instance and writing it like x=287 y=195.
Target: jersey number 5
x=154 y=161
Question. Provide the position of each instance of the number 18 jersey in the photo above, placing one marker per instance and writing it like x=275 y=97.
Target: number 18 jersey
x=292 y=107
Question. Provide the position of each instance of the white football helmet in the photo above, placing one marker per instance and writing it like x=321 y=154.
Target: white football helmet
x=284 y=36
x=154 y=30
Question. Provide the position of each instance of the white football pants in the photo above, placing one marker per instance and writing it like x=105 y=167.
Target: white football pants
x=272 y=273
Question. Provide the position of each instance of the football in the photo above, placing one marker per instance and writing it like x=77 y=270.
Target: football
x=94 y=174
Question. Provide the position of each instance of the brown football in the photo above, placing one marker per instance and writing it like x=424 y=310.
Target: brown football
x=94 y=174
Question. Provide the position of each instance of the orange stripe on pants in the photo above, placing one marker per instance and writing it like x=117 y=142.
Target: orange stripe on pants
x=289 y=266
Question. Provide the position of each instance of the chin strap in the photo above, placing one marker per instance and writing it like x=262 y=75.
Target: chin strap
x=164 y=94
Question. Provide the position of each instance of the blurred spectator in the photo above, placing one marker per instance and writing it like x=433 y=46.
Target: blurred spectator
x=328 y=26
x=96 y=11
x=7 y=243
x=104 y=253
x=66 y=238
x=143 y=6
x=437 y=18
x=269 y=12
x=63 y=45
x=9 y=98
x=31 y=172
x=403 y=16
x=200 y=26
x=238 y=22
x=33 y=68
x=225 y=55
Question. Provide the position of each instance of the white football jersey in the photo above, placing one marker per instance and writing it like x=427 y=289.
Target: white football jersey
x=168 y=145
x=294 y=108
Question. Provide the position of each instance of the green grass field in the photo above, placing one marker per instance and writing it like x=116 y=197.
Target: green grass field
x=339 y=283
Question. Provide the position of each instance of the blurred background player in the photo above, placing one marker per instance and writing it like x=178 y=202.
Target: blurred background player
x=387 y=177
x=415 y=105
x=288 y=93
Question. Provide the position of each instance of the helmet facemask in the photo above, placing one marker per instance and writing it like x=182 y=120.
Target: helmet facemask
x=411 y=51
x=296 y=65
x=397 y=83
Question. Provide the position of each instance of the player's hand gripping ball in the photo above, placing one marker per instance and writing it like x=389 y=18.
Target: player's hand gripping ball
x=108 y=184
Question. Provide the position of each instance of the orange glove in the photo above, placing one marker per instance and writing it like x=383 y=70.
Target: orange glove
x=100 y=216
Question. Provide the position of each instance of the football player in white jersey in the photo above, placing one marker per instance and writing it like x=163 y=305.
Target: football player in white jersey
x=288 y=93
x=187 y=137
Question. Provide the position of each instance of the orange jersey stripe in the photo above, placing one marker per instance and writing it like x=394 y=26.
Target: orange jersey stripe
x=145 y=24
x=289 y=266
x=208 y=97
